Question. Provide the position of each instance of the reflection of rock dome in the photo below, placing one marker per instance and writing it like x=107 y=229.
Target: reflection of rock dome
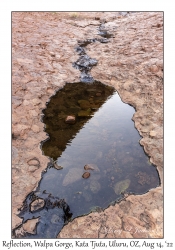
x=68 y=111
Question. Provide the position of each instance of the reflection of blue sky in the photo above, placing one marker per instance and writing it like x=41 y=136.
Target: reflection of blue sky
x=112 y=115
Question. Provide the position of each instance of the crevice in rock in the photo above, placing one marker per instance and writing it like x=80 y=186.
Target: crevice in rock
x=85 y=63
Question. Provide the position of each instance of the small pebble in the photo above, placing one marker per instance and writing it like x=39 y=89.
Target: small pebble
x=88 y=167
x=86 y=175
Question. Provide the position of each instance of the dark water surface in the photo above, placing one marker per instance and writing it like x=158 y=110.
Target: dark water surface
x=103 y=138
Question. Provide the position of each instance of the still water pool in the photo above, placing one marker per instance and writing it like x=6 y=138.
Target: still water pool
x=100 y=143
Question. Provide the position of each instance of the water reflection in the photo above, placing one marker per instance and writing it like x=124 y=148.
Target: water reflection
x=80 y=100
x=103 y=139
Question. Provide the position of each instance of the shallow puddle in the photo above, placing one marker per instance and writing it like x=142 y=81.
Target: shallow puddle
x=95 y=157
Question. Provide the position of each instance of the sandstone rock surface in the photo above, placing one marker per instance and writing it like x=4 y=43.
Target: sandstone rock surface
x=43 y=50
x=30 y=226
x=37 y=204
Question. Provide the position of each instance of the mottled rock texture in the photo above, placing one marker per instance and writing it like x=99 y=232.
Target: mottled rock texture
x=43 y=50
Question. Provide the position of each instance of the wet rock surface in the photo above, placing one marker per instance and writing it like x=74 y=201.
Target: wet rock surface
x=37 y=204
x=85 y=63
x=34 y=208
x=132 y=62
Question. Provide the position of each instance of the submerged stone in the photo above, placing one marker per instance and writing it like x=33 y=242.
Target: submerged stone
x=53 y=151
x=72 y=176
x=70 y=119
x=86 y=175
x=55 y=219
x=56 y=166
x=121 y=186
x=88 y=167
x=96 y=209
x=87 y=196
x=84 y=113
x=84 y=104
x=95 y=186
x=94 y=106
x=143 y=178
x=92 y=166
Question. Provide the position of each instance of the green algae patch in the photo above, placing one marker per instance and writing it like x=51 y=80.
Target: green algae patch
x=121 y=186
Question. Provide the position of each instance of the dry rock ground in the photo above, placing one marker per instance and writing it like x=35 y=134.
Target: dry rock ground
x=43 y=50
